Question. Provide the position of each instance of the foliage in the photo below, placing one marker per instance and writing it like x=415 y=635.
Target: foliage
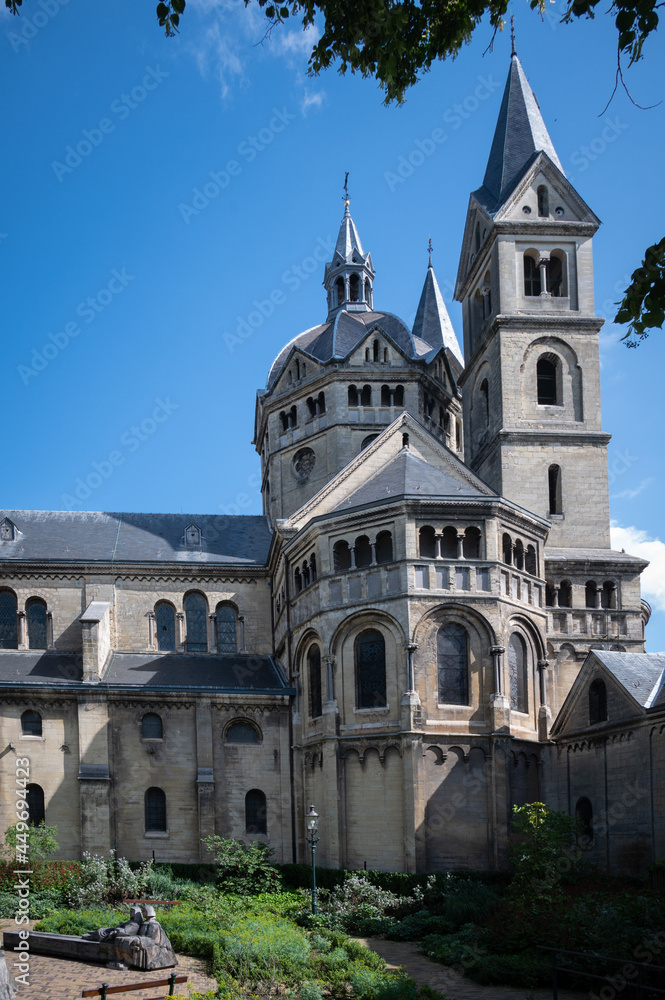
x=42 y=902
x=107 y=879
x=41 y=841
x=243 y=868
x=51 y=875
x=80 y=921
x=540 y=852
x=643 y=304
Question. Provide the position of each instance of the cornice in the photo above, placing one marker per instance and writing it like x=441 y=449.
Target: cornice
x=169 y=572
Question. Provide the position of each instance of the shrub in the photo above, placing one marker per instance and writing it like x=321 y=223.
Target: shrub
x=106 y=880
x=80 y=921
x=460 y=948
x=541 y=852
x=243 y=868
x=521 y=970
x=42 y=902
x=35 y=842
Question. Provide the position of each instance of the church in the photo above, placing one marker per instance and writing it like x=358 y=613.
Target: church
x=426 y=626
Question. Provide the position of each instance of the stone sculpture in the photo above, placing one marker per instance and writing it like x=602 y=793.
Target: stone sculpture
x=6 y=984
x=141 y=944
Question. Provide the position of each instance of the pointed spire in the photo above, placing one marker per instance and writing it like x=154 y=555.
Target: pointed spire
x=348 y=239
x=520 y=132
x=349 y=275
x=432 y=323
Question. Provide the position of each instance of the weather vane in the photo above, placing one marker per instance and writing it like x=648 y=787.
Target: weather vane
x=429 y=250
x=346 y=186
x=512 y=36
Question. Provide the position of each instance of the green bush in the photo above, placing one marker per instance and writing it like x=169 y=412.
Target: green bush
x=66 y=921
x=42 y=902
x=521 y=970
x=418 y=925
x=243 y=868
x=460 y=948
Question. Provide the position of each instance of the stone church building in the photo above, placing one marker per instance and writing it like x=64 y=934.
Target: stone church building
x=426 y=626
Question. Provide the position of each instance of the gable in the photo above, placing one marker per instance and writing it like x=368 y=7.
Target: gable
x=625 y=691
x=564 y=203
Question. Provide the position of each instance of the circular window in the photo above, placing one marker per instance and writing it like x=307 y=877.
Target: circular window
x=559 y=211
x=303 y=463
x=526 y=210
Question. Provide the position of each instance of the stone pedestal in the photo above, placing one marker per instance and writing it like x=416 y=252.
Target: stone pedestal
x=500 y=711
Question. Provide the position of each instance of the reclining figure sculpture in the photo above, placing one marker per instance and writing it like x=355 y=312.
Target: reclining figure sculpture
x=138 y=943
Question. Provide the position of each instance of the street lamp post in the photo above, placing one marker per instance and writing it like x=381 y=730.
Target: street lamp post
x=312 y=827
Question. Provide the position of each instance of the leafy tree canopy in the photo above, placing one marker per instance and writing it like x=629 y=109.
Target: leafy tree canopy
x=396 y=40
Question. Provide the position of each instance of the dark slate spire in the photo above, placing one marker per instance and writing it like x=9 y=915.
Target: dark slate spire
x=520 y=132
x=432 y=323
x=349 y=276
x=347 y=238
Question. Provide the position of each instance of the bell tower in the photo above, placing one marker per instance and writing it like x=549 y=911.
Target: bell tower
x=531 y=385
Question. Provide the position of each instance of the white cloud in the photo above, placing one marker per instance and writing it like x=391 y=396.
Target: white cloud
x=630 y=494
x=295 y=46
x=311 y=99
x=637 y=543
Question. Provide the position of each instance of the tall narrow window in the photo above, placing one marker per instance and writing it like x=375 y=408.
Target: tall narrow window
x=453 y=665
x=471 y=546
x=608 y=597
x=547 y=381
x=519 y=554
x=590 y=591
x=31 y=723
x=8 y=620
x=530 y=561
x=353 y=396
x=375 y=350
x=366 y=396
x=385 y=395
x=449 y=543
x=384 y=547
x=339 y=288
x=256 y=812
x=597 y=702
x=507 y=550
x=36 y=616
x=165 y=627
x=398 y=396
x=532 y=285
x=370 y=669
x=517 y=663
x=354 y=288
x=151 y=727
x=584 y=816
x=341 y=557
x=554 y=483
x=427 y=537
x=314 y=677
x=565 y=594
x=555 y=276
x=363 y=550
x=543 y=202
x=321 y=400
x=35 y=805
x=155 y=811
x=227 y=633
x=197 y=623
x=484 y=403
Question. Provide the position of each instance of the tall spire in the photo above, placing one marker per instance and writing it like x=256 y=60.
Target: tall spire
x=520 y=132
x=349 y=275
x=432 y=323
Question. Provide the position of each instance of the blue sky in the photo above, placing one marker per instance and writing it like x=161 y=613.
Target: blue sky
x=125 y=295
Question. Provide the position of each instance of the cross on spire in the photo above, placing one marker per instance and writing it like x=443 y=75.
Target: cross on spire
x=346 y=188
x=512 y=36
x=430 y=248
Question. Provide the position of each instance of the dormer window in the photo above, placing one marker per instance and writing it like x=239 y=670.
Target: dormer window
x=192 y=535
x=7 y=530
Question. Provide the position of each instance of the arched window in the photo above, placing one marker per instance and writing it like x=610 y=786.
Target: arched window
x=398 y=396
x=31 y=723
x=554 y=486
x=547 y=379
x=363 y=550
x=477 y=237
x=8 y=620
x=354 y=287
x=375 y=351
x=550 y=594
x=284 y=417
x=314 y=677
x=519 y=554
x=305 y=574
x=256 y=812
x=151 y=727
x=471 y=546
x=353 y=396
x=35 y=614
x=556 y=275
x=35 y=805
x=453 y=665
x=427 y=539
x=507 y=550
x=165 y=627
x=590 y=591
x=449 y=543
x=519 y=677
x=311 y=406
x=227 y=632
x=242 y=732
x=366 y=395
x=368 y=440
x=543 y=202
x=155 y=810
x=385 y=395
x=584 y=817
x=293 y=416
x=384 y=547
x=196 y=615
x=339 y=288
x=341 y=557
x=321 y=400
x=297 y=369
x=597 y=702
x=297 y=579
x=370 y=669
x=312 y=567
x=484 y=403
x=565 y=594
x=530 y=561
x=532 y=285
x=608 y=595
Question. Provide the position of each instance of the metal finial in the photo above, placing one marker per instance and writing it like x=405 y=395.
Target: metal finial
x=512 y=36
x=346 y=188
x=430 y=248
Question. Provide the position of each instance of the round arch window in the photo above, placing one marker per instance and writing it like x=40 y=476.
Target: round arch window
x=303 y=464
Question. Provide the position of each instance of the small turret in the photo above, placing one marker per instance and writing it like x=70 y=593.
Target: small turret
x=349 y=276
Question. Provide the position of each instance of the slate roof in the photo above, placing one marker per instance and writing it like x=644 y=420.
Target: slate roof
x=432 y=323
x=337 y=339
x=593 y=556
x=91 y=536
x=260 y=674
x=519 y=136
x=641 y=674
x=408 y=475
x=347 y=238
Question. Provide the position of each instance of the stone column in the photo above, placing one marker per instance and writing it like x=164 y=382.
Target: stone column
x=460 y=545
x=542 y=267
x=180 y=631
x=22 y=630
x=373 y=562
x=544 y=712
x=499 y=701
x=49 y=630
x=151 y=629
x=213 y=632
x=241 y=622
x=497 y=652
x=438 y=542
x=330 y=684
